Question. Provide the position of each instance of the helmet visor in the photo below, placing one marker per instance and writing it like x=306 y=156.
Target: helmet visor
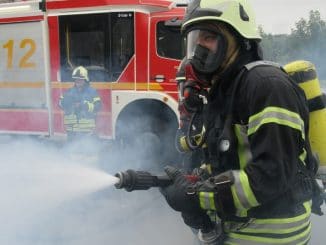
x=205 y=50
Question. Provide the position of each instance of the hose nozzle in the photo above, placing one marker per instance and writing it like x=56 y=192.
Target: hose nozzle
x=132 y=180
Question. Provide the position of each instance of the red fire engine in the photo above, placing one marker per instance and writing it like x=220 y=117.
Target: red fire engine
x=131 y=49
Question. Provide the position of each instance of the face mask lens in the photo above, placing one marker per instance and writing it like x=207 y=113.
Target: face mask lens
x=203 y=49
x=206 y=39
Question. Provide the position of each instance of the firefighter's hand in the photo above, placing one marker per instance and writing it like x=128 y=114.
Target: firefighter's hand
x=202 y=173
x=177 y=194
x=197 y=220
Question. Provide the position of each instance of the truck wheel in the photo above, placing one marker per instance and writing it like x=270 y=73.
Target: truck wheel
x=149 y=139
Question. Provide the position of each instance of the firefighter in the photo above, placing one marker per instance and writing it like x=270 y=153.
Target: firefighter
x=80 y=104
x=259 y=160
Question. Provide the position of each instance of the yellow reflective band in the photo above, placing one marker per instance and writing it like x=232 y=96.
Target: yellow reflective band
x=276 y=115
x=301 y=238
x=239 y=207
x=307 y=206
x=275 y=229
x=241 y=191
x=180 y=78
x=303 y=156
x=90 y=107
x=96 y=99
x=244 y=153
x=274 y=226
x=206 y=200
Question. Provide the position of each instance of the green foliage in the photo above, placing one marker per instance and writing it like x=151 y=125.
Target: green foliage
x=307 y=41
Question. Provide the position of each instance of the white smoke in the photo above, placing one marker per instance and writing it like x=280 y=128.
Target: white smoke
x=50 y=195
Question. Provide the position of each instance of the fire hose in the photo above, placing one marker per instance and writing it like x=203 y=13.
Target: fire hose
x=131 y=180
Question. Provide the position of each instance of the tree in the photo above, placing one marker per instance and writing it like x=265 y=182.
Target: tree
x=306 y=41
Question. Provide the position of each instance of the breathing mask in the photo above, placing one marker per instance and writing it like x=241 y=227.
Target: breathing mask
x=206 y=50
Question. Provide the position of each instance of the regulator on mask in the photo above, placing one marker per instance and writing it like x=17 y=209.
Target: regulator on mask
x=193 y=95
x=192 y=91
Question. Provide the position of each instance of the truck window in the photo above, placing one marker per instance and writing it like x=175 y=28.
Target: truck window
x=169 y=41
x=103 y=43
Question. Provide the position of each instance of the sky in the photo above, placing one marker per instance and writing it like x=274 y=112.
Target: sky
x=279 y=16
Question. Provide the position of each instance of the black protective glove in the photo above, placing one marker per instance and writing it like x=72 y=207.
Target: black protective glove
x=198 y=220
x=176 y=194
x=201 y=173
x=188 y=204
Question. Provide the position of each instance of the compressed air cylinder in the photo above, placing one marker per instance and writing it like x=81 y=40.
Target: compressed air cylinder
x=304 y=73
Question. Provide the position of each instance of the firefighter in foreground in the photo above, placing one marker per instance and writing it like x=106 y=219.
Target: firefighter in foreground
x=254 y=133
x=80 y=104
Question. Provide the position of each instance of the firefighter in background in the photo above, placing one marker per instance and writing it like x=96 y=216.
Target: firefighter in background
x=80 y=104
x=255 y=130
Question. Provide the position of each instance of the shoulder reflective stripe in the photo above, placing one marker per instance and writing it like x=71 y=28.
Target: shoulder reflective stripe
x=276 y=115
x=242 y=239
x=244 y=152
x=242 y=191
x=206 y=200
x=261 y=63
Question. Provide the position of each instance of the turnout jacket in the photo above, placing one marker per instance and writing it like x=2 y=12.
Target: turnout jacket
x=254 y=180
x=80 y=108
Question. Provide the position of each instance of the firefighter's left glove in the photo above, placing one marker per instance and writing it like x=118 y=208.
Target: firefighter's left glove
x=180 y=195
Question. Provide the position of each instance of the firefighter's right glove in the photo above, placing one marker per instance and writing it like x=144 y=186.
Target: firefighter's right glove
x=202 y=172
x=177 y=194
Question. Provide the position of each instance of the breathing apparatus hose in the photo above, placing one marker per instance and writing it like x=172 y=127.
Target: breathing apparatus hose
x=190 y=139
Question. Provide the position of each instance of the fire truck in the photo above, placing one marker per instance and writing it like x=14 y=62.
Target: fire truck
x=131 y=49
